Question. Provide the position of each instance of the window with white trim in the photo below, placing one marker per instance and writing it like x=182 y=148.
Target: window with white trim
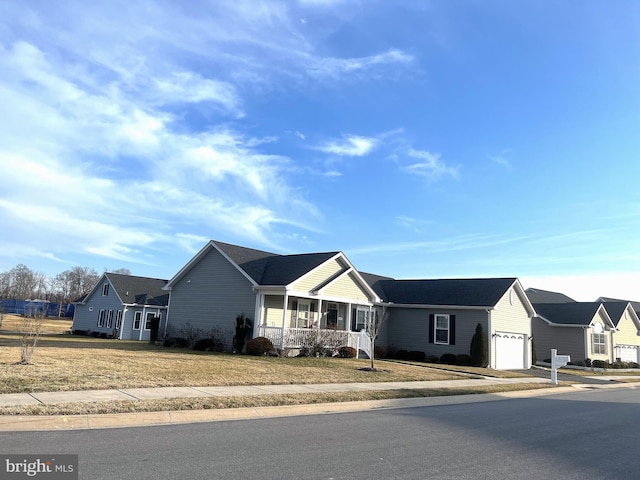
x=441 y=329
x=101 y=318
x=147 y=322
x=119 y=319
x=599 y=343
x=302 y=318
x=110 y=319
x=105 y=289
x=136 y=320
x=362 y=313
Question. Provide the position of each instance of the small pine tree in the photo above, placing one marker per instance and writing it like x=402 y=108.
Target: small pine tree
x=479 y=348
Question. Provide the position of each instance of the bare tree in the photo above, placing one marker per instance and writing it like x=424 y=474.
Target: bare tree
x=23 y=282
x=30 y=331
x=121 y=271
x=73 y=284
x=373 y=327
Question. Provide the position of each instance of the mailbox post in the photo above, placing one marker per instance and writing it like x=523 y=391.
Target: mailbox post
x=557 y=361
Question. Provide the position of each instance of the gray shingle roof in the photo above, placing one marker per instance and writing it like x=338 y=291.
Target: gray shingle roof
x=140 y=290
x=615 y=309
x=578 y=313
x=267 y=268
x=375 y=282
x=472 y=292
x=537 y=295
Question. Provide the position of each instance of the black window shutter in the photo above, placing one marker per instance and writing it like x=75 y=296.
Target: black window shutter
x=452 y=329
x=431 y=325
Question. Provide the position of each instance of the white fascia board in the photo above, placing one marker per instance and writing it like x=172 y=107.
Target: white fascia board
x=523 y=298
x=206 y=249
x=309 y=272
x=362 y=281
x=98 y=286
x=601 y=309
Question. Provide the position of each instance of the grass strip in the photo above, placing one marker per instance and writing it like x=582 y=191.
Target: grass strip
x=207 y=403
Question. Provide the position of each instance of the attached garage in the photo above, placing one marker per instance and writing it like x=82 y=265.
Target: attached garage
x=627 y=353
x=510 y=351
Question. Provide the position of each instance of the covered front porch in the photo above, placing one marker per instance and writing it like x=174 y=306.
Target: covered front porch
x=299 y=322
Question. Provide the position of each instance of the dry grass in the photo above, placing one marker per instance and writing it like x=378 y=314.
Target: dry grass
x=50 y=325
x=485 y=372
x=203 y=403
x=68 y=362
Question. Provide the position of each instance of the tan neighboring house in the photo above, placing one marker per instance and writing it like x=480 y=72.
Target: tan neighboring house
x=626 y=336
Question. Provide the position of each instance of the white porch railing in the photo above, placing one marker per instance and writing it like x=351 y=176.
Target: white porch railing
x=301 y=337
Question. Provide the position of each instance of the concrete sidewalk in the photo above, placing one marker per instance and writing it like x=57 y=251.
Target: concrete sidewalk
x=65 y=422
x=50 y=398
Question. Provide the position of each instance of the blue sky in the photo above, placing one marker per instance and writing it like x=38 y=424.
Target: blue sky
x=430 y=139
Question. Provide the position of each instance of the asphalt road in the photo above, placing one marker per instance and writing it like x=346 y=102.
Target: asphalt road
x=586 y=435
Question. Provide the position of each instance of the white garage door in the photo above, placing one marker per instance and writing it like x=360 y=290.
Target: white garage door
x=510 y=351
x=627 y=353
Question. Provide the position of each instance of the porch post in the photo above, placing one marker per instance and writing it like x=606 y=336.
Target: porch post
x=319 y=313
x=258 y=314
x=144 y=315
x=349 y=308
x=284 y=317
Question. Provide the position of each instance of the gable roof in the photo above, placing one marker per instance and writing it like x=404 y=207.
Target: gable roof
x=260 y=267
x=537 y=295
x=139 y=290
x=267 y=268
x=135 y=290
x=616 y=310
x=471 y=292
x=635 y=305
x=375 y=282
x=574 y=314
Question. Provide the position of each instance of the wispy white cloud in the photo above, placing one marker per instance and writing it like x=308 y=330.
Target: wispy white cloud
x=501 y=159
x=429 y=166
x=416 y=225
x=350 y=146
x=334 y=67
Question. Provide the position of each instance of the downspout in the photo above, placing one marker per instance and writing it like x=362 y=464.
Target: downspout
x=491 y=340
x=257 y=315
x=284 y=317
x=166 y=321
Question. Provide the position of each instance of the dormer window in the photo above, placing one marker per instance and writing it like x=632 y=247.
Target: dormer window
x=105 y=290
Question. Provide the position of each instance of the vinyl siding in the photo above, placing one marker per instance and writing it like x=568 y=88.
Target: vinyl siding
x=628 y=332
x=511 y=316
x=408 y=329
x=273 y=310
x=609 y=355
x=346 y=287
x=318 y=276
x=86 y=316
x=210 y=295
x=567 y=340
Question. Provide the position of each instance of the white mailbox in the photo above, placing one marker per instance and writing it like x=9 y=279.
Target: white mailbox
x=557 y=361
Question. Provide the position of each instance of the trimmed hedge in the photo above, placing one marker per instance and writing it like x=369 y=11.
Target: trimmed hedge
x=259 y=346
x=347 y=352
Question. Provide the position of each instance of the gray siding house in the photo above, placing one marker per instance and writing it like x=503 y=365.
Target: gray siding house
x=121 y=306
x=291 y=299
x=583 y=330
x=440 y=316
